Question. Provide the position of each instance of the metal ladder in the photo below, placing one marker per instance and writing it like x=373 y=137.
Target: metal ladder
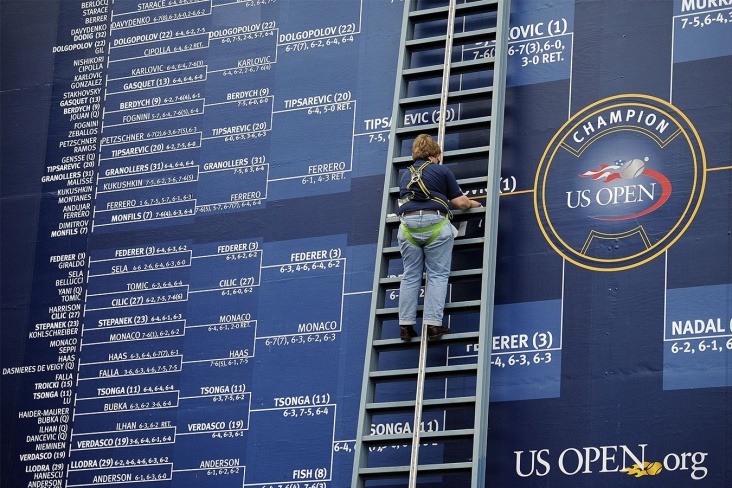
x=450 y=83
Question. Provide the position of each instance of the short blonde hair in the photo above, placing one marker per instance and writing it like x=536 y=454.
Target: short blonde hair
x=424 y=146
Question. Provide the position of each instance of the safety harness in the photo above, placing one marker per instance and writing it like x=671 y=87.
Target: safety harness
x=422 y=194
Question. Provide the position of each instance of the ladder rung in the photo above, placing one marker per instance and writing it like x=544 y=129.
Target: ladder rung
x=408 y=405
x=451 y=339
x=446 y=435
x=403 y=161
x=467 y=304
x=421 y=101
x=456 y=213
x=458 y=216
x=459 y=153
x=465 y=274
x=484 y=120
x=434 y=436
x=453 y=276
x=478 y=35
x=427 y=14
x=470 y=65
x=423 y=72
x=415 y=129
x=454 y=124
x=459 y=67
x=476 y=180
x=392 y=250
x=438 y=371
x=473 y=241
x=460 y=10
x=453 y=96
x=392 y=280
x=464 y=306
x=436 y=469
x=424 y=43
x=469 y=94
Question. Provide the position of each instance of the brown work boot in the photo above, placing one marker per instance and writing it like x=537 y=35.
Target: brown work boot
x=407 y=332
x=434 y=332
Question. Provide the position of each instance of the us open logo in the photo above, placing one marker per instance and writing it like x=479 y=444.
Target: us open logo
x=620 y=182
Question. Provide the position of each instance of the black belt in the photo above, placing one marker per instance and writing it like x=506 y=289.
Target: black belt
x=424 y=212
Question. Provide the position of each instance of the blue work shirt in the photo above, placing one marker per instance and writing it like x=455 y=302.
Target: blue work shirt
x=438 y=179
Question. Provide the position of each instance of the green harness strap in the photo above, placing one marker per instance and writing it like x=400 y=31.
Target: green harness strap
x=435 y=229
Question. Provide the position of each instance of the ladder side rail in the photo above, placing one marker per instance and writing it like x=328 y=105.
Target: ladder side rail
x=360 y=457
x=480 y=440
x=446 y=74
x=445 y=88
x=416 y=429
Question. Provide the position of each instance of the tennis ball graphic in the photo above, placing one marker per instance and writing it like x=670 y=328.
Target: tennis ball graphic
x=649 y=468
x=654 y=468
x=632 y=168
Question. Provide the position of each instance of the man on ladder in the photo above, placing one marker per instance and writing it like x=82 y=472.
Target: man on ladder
x=426 y=236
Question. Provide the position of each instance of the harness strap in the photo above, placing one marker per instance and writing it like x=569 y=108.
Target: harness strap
x=435 y=229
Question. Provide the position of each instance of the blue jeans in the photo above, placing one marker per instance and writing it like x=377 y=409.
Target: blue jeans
x=435 y=259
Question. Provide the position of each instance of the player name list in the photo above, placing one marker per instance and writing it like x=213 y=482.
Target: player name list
x=158 y=118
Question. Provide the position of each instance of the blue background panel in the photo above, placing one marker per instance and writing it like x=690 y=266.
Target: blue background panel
x=251 y=139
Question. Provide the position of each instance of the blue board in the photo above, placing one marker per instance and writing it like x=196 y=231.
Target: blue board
x=190 y=210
